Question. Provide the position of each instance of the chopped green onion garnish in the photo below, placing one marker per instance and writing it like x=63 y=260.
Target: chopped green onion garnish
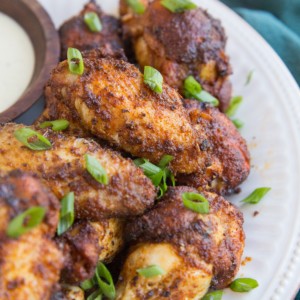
x=92 y=21
x=151 y=271
x=242 y=285
x=95 y=169
x=195 y=202
x=67 y=215
x=166 y=159
x=32 y=139
x=249 y=77
x=237 y=123
x=105 y=281
x=56 y=125
x=235 y=102
x=157 y=174
x=87 y=284
x=215 y=295
x=25 y=221
x=256 y=195
x=178 y=6
x=153 y=79
x=137 y=6
x=97 y=295
x=193 y=89
x=75 y=61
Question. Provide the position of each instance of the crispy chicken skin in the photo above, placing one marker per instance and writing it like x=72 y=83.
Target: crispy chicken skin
x=111 y=101
x=85 y=244
x=68 y=292
x=209 y=242
x=181 y=44
x=226 y=152
x=76 y=34
x=30 y=264
x=62 y=168
x=180 y=281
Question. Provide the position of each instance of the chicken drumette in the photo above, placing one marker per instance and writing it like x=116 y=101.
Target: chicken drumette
x=196 y=251
x=85 y=244
x=29 y=264
x=111 y=101
x=76 y=34
x=179 y=45
x=227 y=159
x=63 y=169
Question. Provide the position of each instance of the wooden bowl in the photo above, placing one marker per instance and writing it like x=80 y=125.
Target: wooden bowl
x=38 y=25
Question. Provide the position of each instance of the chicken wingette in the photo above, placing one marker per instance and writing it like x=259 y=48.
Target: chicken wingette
x=63 y=169
x=196 y=251
x=180 y=44
x=76 y=33
x=85 y=244
x=30 y=264
x=111 y=100
x=226 y=154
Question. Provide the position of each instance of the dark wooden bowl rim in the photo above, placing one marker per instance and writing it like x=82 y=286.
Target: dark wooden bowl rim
x=38 y=25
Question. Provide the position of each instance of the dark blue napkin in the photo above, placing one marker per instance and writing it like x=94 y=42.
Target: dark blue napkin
x=278 y=21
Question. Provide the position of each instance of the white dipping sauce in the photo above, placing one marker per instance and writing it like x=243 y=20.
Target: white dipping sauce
x=16 y=61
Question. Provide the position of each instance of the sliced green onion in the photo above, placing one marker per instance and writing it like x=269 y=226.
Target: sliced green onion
x=25 y=221
x=195 y=202
x=87 y=284
x=242 y=285
x=153 y=79
x=105 y=281
x=148 y=168
x=256 y=195
x=178 y=6
x=166 y=159
x=151 y=271
x=97 y=295
x=237 y=123
x=32 y=139
x=215 y=295
x=235 y=102
x=67 y=215
x=92 y=21
x=95 y=169
x=193 y=89
x=157 y=174
x=75 y=61
x=137 y=6
x=56 y=125
x=249 y=77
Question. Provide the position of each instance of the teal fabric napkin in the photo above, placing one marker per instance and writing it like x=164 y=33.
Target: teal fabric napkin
x=278 y=21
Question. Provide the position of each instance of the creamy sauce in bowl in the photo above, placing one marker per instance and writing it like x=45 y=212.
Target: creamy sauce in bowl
x=16 y=60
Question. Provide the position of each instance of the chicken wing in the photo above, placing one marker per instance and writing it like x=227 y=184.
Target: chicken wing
x=111 y=101
x=62 y=168
x=206 y=247
x=179 y=45
x=226 y=153
x=30 y=264
x=85 y=244
x=76 y=34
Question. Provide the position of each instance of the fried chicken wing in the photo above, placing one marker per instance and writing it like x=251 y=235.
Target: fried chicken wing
x=85 y=244
x=30 y=264
x=208 y=248
x=179 y=45
x=180 y=281
x=62 y=168
x=76 y=34
x=225 y=150
x=111 y=101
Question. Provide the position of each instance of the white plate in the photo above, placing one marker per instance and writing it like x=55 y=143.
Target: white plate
x=271 y=112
